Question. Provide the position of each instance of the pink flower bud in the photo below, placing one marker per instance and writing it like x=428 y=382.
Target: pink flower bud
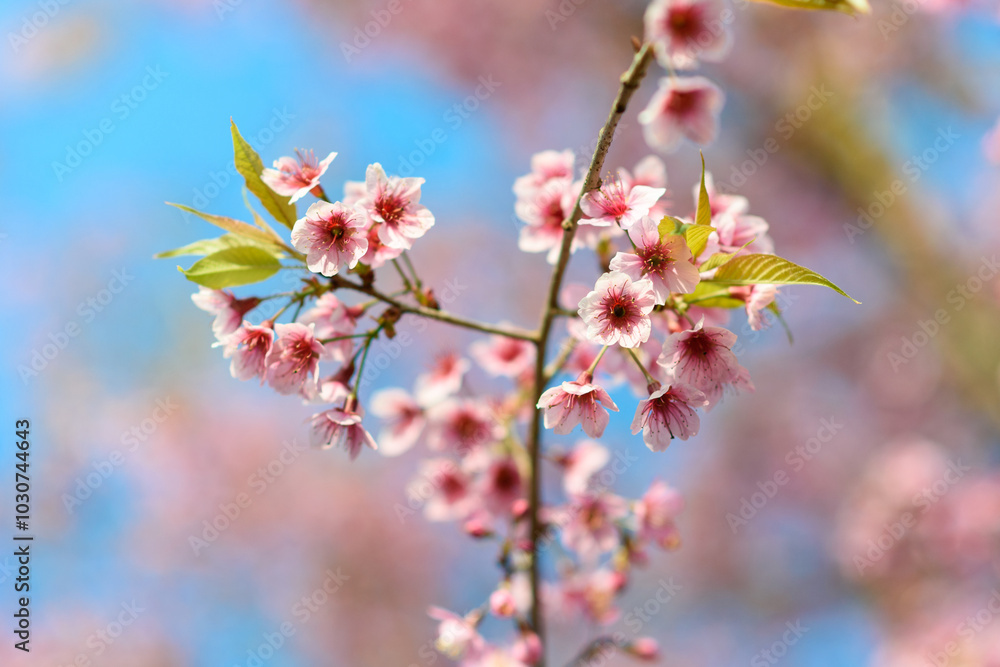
x=502 y=603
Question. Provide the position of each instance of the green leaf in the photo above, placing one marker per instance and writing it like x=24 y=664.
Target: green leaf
x=249 y=164
x=719 y=258
x=709 y=295
x=232 y=267
x=208 y=246
x=704 y=214
x=237 y=227
x=670 y=226
x=697 y=238
x=257 y=218
x=851 y=7
x=770 y=270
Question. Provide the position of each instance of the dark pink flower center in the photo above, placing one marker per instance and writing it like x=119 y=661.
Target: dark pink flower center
x=506 y=478
x=685 y=23
x=620 y=310
x=655 y=258
x=391 y=206
x=683 y=102
x=334 y=231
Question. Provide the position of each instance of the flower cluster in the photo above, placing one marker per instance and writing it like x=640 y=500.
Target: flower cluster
x=654 y=320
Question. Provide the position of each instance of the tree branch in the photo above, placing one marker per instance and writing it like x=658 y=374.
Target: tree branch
x=629 y=83
x=440 y=315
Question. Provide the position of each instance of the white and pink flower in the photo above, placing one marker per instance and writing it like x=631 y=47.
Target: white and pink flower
x=443 y=380
x=248 y=347
x=656 y=512
x=503 y=355
x=341 y=427
x=544 y=212
x=545 y=166
x=403 y=420
x=444 y=489
x=332 y=236
x=666 y=262
x=682 y=107
x=577 y=402
x=615 y=204
x=581 y=464
x=590 y=527
x=295 y=177
x=617 y=311
x=293 y=358
x=683 y=32
x=228 y=310
x=668 y=413
x=393 y=204
x=703 y=358
x=462 y=425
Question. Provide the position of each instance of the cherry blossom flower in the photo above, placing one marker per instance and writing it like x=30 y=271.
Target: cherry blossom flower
x=650 y=171
x=644 y=648
x=457 y=635
x=403 y=419
x=685 y=31
x=668 y=413
x=503 y=355
x=527 y=649
x=732 y=232
x=580 y=465
x=443 y=380
x=682 y=107
x=617 y=311
x=577 y=402
x=332 y=236
x=614 y=203
x=545 y=166
x=248 y=347
x=592 y=593
x=502 y=603
x=333 y=319
x=228 y=310
x=544 y=213
x=378 y=253
x=666 y=262
x=703 y=358
x=444 y=489
x=341 y=427
x=590 y=528
x=293 y=177
x=757 y=298
x=502 y=485
x=393 y=203
x=461 y=425
x=655 y=513
x=293 y=357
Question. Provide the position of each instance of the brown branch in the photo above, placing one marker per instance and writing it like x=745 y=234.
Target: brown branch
x=629 y=83
x=440 y=315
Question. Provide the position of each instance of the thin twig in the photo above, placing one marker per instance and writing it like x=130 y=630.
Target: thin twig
x=440 y=315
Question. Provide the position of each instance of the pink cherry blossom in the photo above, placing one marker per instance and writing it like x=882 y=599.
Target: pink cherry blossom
x=228 y=310
x=590 y=528
x=655 y=513
x=650 y=171
x=393 y=203
x=757 y=298
x=682 y=107
x=502 y=603
x=378 y=253
x=644 y=648
x=444 y=489
x=293 y=177
x=544 y=213
x=617 y=311
x=341 y=427
x=666 y=262
x=461 y=425
x=685 y=31
x=581 y=464
x=703 y=358
x=592 y=593
x=403 y=419
x=577 y=402
x=668 y=413
x=333 y=319
x=732 y=232
x=614 y=203
x=332 y=236
x=248 y=347
x=502 y=485
x=503 y=355
x=457 y=635
x=293 y=357
x=527 y=649
x=545 y=166
x=443 y=380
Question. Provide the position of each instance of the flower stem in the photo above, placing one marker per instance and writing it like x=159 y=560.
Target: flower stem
x=597 y=360
x=649 y=378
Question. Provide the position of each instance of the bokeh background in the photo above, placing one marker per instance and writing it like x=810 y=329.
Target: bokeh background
x=111 y=107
